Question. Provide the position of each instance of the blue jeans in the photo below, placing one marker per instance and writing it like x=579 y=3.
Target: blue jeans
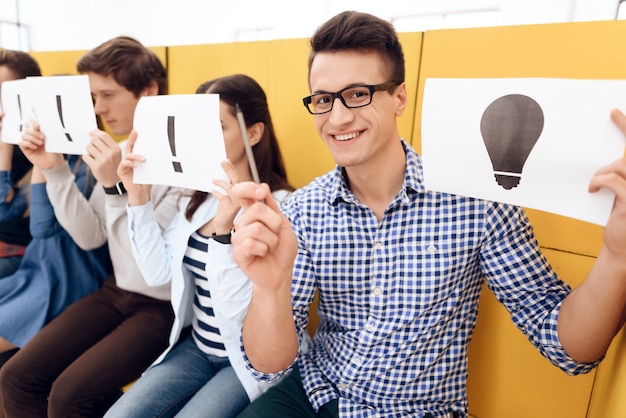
x=187 y=383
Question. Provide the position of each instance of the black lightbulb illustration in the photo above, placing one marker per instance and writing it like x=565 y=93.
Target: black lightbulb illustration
x=511 y=126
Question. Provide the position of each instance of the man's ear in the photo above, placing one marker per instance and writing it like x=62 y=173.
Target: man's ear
x=401 y=98
x=255 y=133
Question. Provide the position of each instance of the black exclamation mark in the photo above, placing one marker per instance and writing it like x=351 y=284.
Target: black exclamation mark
x=170 y=134
x=19 y=106
x=67 y=135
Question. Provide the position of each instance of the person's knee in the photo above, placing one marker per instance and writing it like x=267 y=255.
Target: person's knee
x=9 y=372
x=72 y=398
x=3 y=379
x=61 y=399
x=13 y=381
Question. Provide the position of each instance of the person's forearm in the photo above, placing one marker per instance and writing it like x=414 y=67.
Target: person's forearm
x=595 y=311
x=6 y=155
x=148 y=246
x=37 y=176
x=138 y=196
x=269 y=333
x=83 y=219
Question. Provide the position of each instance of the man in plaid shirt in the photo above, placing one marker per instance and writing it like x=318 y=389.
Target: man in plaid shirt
x=399 y=269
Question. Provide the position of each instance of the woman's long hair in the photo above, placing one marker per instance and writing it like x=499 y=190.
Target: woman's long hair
x=247 y=93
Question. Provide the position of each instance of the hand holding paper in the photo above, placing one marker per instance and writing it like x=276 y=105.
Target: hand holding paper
x=613 y=178
x=228 y=207
x=103 y=155
x=138 y=194
x=33 y=146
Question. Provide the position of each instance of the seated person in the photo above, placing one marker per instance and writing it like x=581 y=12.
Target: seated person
x=399 y=269
x=204 y=374
x=15 y=171
x=54 y=273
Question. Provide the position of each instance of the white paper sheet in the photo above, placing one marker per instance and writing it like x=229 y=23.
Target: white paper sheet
x=181 y=138
x=64 y=108
x=465 y=121
x=61 y=104
x=18 y=110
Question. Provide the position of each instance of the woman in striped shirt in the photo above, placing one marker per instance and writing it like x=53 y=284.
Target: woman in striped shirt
x=203 y=372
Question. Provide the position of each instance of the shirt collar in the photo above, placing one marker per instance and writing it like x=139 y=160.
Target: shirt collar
x=413 y=178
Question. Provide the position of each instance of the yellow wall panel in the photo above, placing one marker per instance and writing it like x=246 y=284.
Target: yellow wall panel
x=507 y=375
x=555 y=231
x=607 y=398
x=190 y=66
x=57 y=63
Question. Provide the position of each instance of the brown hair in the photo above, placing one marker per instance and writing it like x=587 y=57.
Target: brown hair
x=131 y=64
x=245 y=91
x=352 y=30
x=20 y=63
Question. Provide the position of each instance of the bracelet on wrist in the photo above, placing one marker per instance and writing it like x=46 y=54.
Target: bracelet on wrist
x=222 y=238
x=118 y=189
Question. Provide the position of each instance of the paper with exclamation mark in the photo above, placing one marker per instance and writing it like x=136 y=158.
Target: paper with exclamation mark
x=18 y=109
x=181 y=139
x=64 y=108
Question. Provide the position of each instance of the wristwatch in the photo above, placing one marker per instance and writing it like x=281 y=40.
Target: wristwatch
x=222 y=239
x=117 y=189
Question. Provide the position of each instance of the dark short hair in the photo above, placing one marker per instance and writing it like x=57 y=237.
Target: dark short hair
x=358 y=31
x=20 y=63
x=131 y=64
x=249 y=95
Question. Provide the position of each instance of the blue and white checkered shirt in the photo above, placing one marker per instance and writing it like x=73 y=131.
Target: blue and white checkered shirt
x=399 y=297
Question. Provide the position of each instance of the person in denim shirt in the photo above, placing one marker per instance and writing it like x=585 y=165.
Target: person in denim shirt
x=15 y=171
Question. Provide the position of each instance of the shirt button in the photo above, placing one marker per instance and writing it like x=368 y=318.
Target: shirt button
x=342 y=386
x=377 y=291
x=378 y=245
x=356 y=361
x=432 y=249
x=369 y=327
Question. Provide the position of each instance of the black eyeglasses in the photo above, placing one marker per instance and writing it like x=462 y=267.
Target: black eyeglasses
x=351 y=97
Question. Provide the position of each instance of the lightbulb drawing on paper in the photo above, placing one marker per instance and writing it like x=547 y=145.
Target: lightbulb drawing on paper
x=510 y=127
